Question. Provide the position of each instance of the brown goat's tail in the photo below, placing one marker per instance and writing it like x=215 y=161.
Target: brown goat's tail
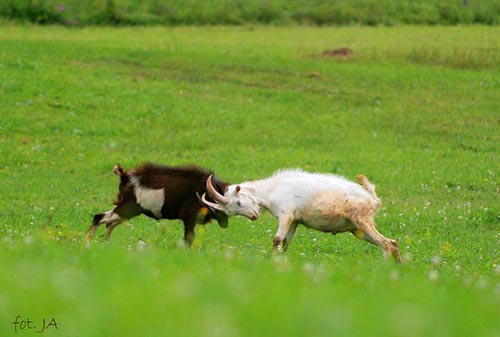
x=119 y=171
x=124 y=176
x=367 y=185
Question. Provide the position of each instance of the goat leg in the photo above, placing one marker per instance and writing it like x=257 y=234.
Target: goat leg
x=189 y=232
x=283 y=228
x=110 y=218
x=369 y=233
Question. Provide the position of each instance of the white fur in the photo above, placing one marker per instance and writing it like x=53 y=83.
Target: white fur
x=325 y=202
x=295 y=189
x=149 y=199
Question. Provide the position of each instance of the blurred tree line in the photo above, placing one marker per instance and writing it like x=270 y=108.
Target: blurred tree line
x=238 y=12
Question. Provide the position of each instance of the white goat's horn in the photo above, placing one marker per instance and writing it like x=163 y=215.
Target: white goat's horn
x=214 y=194
x=212 y=204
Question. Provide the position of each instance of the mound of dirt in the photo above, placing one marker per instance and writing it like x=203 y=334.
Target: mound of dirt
x=339 y=52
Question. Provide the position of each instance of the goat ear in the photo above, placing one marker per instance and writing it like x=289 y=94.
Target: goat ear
x=238 y=188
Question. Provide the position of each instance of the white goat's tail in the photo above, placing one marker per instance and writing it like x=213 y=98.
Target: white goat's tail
x=367 y=185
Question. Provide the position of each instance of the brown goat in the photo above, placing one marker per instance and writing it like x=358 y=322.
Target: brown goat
x=161 y=192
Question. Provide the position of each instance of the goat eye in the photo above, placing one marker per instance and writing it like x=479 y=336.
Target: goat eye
x=238 y=203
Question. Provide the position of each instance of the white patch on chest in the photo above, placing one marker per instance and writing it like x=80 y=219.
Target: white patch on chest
x=149 y=199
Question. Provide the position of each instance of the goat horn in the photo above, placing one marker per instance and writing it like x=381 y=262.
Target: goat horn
x=214 y=194
x=211 y=204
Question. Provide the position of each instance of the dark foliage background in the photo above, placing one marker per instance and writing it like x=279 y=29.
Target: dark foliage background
x=238 y=12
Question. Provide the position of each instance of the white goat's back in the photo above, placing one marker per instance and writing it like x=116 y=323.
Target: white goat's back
x=309 y=184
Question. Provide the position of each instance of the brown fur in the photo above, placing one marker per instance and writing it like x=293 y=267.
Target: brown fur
x=181 y=186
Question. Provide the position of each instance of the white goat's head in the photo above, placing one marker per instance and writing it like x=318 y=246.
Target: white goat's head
x=235 y=201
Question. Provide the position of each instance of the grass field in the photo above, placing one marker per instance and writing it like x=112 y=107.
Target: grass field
x=416 y=109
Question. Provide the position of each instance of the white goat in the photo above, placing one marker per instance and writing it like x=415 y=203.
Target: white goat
x=325 y=202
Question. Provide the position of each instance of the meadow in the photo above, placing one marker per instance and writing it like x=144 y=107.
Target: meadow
x=416 y=109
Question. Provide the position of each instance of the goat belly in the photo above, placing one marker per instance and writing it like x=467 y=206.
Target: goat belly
x=332 y=225
x=327 y=213
x=171 y=210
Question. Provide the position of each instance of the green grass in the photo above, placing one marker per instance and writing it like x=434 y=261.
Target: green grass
x=416 y=109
